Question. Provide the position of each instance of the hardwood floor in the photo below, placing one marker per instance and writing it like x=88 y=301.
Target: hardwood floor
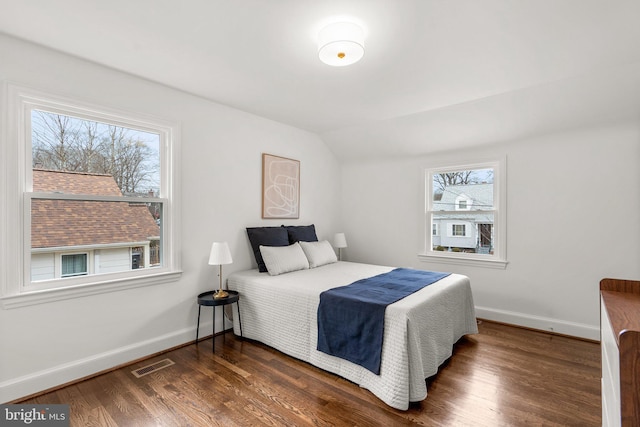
x=504 y=376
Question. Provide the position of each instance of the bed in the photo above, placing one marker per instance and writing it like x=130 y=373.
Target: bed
x=419 y=330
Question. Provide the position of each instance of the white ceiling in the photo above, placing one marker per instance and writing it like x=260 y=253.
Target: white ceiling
x=436 y=74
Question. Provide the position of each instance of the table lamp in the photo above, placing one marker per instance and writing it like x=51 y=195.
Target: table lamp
x=219 y=255
x=340 y=241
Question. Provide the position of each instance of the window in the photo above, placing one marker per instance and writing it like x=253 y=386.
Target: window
x=458 y=230
x=99 y=208
x=467 y=203
x=74 y=265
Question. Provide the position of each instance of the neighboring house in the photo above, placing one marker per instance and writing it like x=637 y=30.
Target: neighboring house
x=463 y=227
x=78 y=237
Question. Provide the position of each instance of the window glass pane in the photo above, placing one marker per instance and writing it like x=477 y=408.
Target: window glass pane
x=74 y=265
x=463 y=208
x=127 y=160
x=118 y=236
x=463 y=189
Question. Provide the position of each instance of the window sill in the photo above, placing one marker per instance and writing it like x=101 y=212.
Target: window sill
x=50 y=295
x=459 y=260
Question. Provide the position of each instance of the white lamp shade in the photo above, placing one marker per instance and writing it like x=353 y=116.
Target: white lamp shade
x=220 y=254
x=339 y=240
x=341 y=43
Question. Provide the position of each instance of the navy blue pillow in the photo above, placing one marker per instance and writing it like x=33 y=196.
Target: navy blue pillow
x=301 y=233
x=266 y=236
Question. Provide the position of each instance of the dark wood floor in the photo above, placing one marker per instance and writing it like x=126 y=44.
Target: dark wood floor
x=504 y=376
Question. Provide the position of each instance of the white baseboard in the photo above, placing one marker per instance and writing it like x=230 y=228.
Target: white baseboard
x=579 y=330
x=17 y=388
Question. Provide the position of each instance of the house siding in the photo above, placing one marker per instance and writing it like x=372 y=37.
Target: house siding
x=447 y=238
x=112 y=260
x=42 y=266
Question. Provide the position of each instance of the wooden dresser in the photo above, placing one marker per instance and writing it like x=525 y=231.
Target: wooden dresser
x=620 y=343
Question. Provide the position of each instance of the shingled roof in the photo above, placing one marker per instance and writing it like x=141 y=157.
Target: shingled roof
x=60 y=223
x=480 y=194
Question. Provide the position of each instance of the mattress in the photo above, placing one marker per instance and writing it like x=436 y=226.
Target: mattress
x=419 y=333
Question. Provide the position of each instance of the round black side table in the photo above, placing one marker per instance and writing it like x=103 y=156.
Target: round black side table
x=206 y=298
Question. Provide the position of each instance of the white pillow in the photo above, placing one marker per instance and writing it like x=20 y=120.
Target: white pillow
x=283 y=259
x=319 y=253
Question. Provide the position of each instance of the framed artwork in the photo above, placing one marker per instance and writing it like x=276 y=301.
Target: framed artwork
x=280 y=187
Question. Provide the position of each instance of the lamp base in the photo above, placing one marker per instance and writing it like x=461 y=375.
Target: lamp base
x=220 y=294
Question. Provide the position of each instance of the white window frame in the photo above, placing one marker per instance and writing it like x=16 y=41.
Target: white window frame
x=16 y=290
x=499 y=257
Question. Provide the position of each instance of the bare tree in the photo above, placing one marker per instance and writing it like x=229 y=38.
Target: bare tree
x=128 y=165
x=53 y=138
x=443 y=180
x=473 y=176
x=89 y=155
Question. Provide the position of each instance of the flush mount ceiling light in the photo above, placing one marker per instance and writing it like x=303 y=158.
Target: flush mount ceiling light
x=341 y=43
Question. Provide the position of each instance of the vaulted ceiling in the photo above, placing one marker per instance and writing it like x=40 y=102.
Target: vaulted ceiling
x=436 y=74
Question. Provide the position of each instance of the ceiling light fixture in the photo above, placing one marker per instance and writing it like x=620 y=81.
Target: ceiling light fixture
x=341 y=43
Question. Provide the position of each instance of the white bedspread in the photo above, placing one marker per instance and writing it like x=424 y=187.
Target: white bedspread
x=420 y=330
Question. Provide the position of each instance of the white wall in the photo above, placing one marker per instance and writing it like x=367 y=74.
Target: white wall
x=573 y=218
x=49 y=344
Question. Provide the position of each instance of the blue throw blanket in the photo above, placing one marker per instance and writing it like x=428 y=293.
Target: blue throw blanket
x=351 y=318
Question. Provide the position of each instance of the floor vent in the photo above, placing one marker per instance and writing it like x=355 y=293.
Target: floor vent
x=145 y=370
